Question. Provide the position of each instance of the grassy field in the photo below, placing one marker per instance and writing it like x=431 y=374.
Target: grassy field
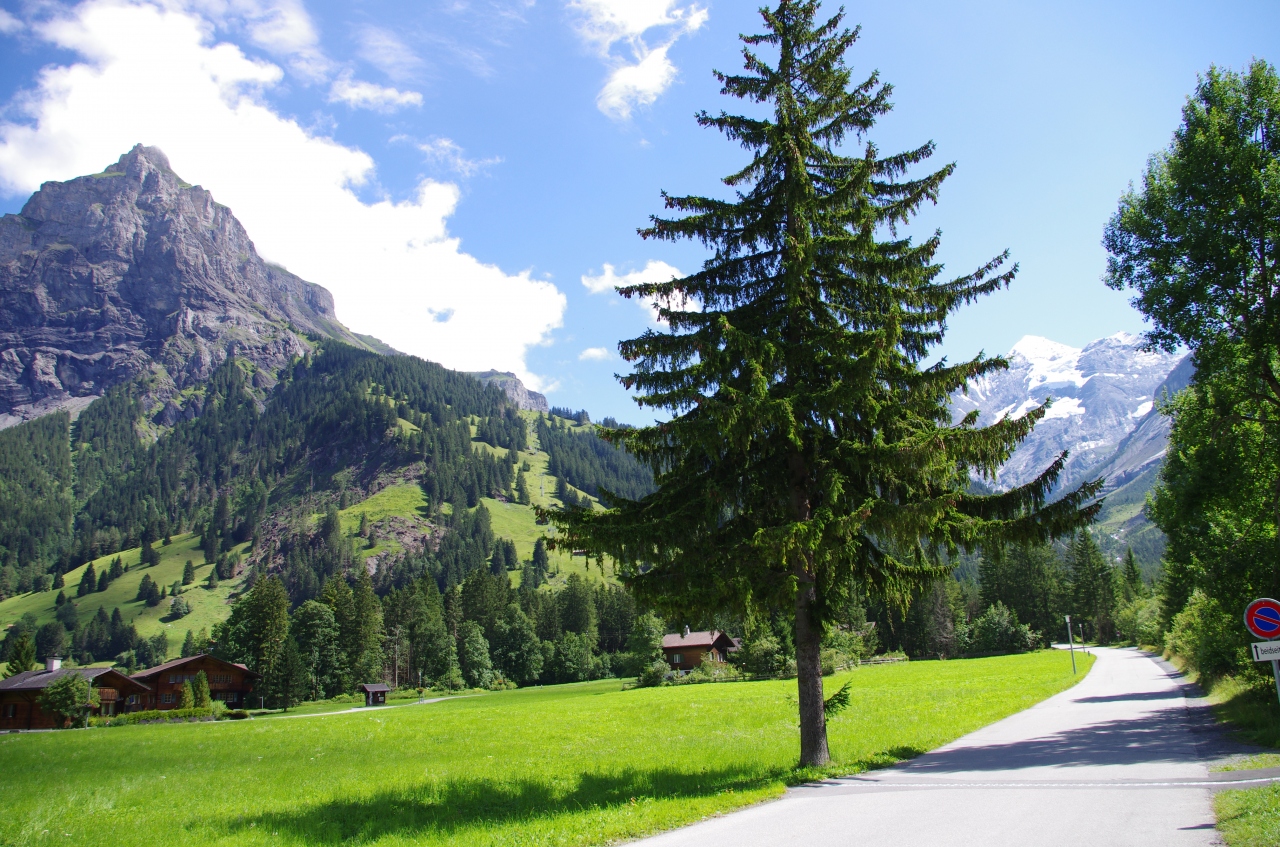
x=208 y=607
x=1249 y=818
x=565 y=765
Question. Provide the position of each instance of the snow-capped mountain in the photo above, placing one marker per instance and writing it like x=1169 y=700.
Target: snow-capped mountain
x=1101 y=395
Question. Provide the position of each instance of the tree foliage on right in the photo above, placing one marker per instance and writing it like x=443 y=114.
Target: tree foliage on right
x=811 y=456
x=1198 y=242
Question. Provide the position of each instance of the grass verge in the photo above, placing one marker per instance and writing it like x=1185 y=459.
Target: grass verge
x=564 y=765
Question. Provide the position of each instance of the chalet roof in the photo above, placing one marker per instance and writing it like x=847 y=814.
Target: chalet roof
x=176 y=663
x=373 y=686
x=38 y=680
x=714 y=638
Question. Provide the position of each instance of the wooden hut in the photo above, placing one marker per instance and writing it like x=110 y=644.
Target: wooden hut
x=375 y=693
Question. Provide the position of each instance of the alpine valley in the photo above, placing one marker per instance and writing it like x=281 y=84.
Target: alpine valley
x=179 y=418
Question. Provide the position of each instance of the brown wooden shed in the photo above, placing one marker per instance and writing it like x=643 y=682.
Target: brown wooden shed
x=375 y=693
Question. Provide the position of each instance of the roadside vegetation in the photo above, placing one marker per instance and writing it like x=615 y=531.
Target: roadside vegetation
x=567 y=765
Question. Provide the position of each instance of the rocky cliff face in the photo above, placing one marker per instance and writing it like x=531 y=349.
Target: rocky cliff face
x=1101 y=394
x=514 y=389
x=131 y=271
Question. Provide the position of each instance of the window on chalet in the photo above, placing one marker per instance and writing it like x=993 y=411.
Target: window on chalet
x=168 y=698
x=677 y=658
x=10 y=710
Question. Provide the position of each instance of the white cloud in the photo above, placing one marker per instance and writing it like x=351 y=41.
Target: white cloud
x=383 y=49
x=9 y=24
x=653 y=271
x=640 y=79
x=636 y=85
x=446 y=153
x=392 y=267
x=594 y=354
x=366 y=95
x=282 y=27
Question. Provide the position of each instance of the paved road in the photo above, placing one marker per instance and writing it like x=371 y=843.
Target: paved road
x=1120 y=759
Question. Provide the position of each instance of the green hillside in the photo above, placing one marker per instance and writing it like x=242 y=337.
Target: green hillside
x=208 y=606
x=397 y=445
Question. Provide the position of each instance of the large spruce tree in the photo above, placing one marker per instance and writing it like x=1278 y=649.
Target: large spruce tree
x=810 y=457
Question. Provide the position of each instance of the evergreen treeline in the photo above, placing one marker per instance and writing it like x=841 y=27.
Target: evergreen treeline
x=37 y=506
x=480 y=633
x=591 y=464
x=1020 y=599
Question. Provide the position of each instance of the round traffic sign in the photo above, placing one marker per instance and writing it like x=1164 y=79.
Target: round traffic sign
x=1263 y=618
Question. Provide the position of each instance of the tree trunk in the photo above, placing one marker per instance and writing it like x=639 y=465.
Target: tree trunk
x=813 y=717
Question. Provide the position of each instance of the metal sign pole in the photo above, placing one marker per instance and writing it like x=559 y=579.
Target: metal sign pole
x=1072 y=647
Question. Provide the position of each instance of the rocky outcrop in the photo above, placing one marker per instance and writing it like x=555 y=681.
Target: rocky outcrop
x=514 y=389
x=132 y=271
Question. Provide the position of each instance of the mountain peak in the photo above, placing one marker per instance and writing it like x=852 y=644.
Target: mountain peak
x=131 y=270
x=1037 y=348
x=1101 y=392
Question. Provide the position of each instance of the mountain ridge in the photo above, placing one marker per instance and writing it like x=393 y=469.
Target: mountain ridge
x=131 y=272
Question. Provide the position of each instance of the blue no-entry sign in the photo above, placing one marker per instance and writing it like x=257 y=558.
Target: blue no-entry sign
x=1263 y=618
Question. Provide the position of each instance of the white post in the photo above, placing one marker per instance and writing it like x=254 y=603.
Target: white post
x=1072 y=647
x=1275 y=672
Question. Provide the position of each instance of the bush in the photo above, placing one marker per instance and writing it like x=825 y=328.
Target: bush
x=763 y=656
x=1207 y=638
x=1138 y=621
x=237 y=715
x=998 y=631
x=171 y=716
x=708 y=671
x=71 y=697
x=654 y=675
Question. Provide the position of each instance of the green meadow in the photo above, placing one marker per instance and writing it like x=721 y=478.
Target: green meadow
x=565 y=765
x=208 y=606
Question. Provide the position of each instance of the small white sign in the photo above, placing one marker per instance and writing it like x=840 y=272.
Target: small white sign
x=1266 y=651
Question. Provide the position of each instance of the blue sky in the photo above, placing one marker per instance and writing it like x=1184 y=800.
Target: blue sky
x=467 y=176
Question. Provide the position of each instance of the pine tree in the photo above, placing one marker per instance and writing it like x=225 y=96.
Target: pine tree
x=522 y=488
x=88 y=582
x=188 y=645
x=200 y=690
x=1133 y=584
x=22 y=656
x=366 y=660
x=188 y=573
x=188 y=697
x=809 y=453
x=58 y=580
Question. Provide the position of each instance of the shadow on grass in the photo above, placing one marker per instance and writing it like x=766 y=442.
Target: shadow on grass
x=443 y=807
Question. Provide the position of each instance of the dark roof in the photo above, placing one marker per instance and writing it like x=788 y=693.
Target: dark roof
x=174 y=663
x=37 y=680
x=714 y=638
x=374 y=686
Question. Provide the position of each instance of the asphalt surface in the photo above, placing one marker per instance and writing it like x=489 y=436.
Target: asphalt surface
x=1120 y=759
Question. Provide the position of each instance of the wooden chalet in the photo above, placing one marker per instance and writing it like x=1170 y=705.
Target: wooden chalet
x=228 y=682
x=20 y=694
x=684 y=652
x=375 y=694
